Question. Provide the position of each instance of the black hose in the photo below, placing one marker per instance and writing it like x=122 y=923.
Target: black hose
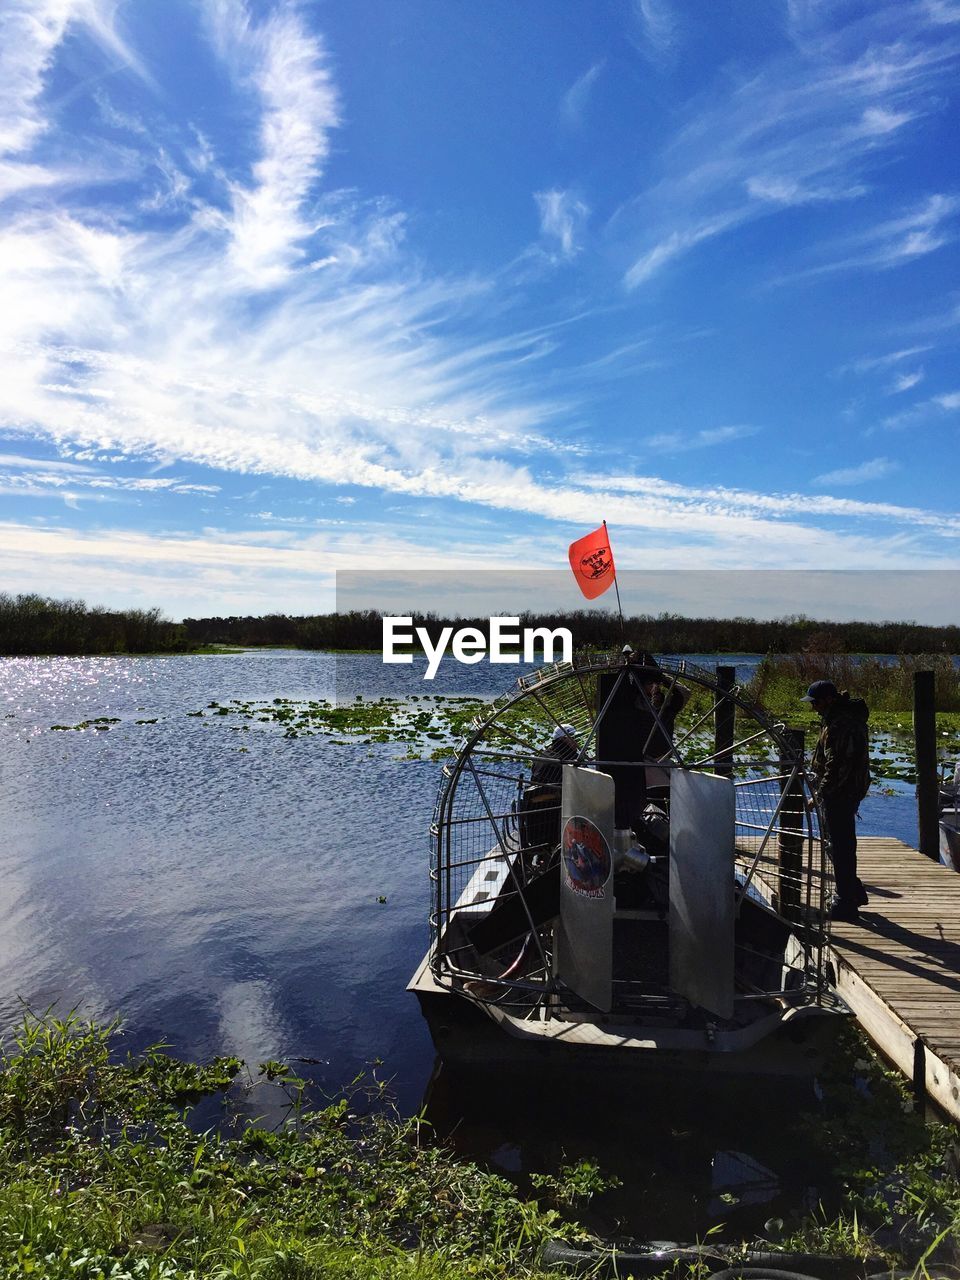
x=646 y=1260
x=759 y=1273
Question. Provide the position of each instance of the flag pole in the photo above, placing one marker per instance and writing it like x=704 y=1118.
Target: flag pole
x=616 y=584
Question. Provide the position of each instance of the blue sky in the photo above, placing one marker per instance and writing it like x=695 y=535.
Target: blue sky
x=360 y=284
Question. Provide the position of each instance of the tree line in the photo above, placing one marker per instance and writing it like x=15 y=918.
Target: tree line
x=32 y=624
x=665 y=633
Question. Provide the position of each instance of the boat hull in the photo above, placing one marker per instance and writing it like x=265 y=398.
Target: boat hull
x=470 y=1035
x=950 y=839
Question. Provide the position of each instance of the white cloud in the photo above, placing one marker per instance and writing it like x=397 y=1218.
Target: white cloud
x=286 y=69
x=575 y=100
x=163 y=347
x=728 y=505
x=657 y=23
x=929 y=226
x=30 y=31
x=870 y=363
x=291 y=568
x=681 y=442
x=905 y=382
x=945 y=12
x=562 y=217
x=923 y=411
x=874 y=469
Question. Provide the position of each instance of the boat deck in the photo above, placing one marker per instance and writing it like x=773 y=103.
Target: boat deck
x=899 y=971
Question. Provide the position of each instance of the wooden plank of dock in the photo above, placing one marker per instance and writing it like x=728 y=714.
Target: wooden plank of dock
x=899 y=971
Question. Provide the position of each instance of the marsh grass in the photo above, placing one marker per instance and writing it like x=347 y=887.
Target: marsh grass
x=886 y=685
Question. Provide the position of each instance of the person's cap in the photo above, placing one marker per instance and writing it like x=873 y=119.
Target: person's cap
x=820 y=689
x=564 y=731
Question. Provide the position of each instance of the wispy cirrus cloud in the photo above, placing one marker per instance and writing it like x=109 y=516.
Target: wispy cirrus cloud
x=22 y=476
x=869 y=363
x=30 y=32
x=275 y=327
x=286 y=67
x=683 y=442
x=922 y=411
x=862 y=473
x=811 y=126
x=893 y=242
x=563 y=216
x=730 y=504
x=905 y=382
x=575 y=100
x=656 y=22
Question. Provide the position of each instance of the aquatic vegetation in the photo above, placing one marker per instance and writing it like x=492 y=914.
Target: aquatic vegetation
x=101 y=724
x=102 y=1175
x=427 y=726
x=901 y=1174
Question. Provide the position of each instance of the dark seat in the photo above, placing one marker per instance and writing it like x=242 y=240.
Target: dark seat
x=538 y=815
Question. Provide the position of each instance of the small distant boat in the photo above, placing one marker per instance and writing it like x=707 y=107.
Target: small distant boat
x=627 y=869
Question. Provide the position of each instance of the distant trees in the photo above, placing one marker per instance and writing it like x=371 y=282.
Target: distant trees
x=33 y=624
x=666 y=633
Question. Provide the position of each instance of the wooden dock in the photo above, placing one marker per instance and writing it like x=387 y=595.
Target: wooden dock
x=899 y=971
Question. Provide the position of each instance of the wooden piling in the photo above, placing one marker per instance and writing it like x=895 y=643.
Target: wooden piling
x=724 y=723
x=925 y=747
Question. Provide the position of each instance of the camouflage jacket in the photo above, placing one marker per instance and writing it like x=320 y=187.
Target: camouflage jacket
x=841 y=758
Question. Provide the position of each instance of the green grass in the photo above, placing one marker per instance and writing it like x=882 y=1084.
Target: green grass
x=101 y=1175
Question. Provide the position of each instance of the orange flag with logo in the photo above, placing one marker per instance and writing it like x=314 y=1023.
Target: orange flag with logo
x=592 y=563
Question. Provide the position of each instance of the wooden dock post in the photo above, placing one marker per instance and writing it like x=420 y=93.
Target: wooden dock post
x=724 y=724
x=791 y=823
x=925 y=747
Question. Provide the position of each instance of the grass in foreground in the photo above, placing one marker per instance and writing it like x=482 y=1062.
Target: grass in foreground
x=103 y=1178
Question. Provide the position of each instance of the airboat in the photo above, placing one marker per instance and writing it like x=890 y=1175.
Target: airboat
x=628 y=867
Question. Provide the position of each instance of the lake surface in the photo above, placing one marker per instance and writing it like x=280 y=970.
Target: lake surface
x=220 y=888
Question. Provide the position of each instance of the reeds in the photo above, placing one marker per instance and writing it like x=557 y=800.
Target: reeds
x=885 y=684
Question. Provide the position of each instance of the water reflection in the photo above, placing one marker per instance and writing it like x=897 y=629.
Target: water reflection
x=689 y=1155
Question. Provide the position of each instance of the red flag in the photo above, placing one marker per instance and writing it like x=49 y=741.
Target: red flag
x=592 y=563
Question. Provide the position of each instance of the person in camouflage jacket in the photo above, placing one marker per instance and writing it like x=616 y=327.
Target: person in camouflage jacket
x=841 y=763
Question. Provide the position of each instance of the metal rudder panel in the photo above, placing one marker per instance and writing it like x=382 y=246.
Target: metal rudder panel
x=584 y=942
x=702 y=814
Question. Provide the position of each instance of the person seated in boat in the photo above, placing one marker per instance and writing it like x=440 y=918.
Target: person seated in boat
x=547 y=768
x=659 y=701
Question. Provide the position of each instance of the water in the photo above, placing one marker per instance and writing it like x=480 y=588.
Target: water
x=219 y=886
